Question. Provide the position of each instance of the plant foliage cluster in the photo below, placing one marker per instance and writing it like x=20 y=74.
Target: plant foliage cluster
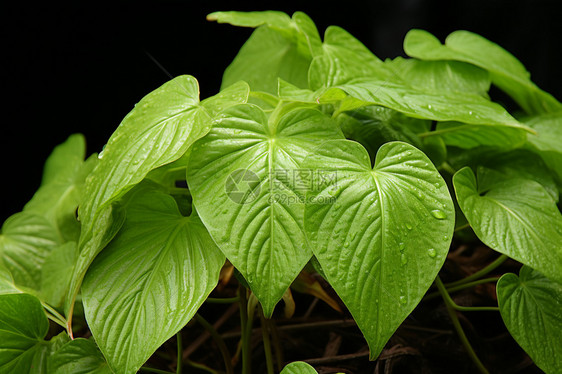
x=316 y=152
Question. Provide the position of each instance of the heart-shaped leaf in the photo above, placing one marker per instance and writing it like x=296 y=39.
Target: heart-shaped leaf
x=381 y=234
x=248 y=187
x=516 y=217
x=530 y=306
x=150 y=281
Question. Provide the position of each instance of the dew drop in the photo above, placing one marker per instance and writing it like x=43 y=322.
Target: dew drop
x=470 y=112
x=346 y=244
x=401 y=246
x=431 y=253
x=429 y=106
x=352 y=236
x=439 y=214
x=445 y=238
x=403 y=300
x=403 y=259
x=408 y=226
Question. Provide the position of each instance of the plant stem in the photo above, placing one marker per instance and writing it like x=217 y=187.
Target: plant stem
x=55 y=320
x=227 y=300
x=456 y=323
x=202 y=367
x=480 y=273
x=445 y=166
x=244 y=336
x=151 y=370
x=266 y=344
x=53 y=315
x=433 y=295
x=276 y=344
x=220 y=343
x=462 y=227
x=180 y=350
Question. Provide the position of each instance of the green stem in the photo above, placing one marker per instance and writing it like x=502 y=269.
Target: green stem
x=202 y=367
x=220 y=343
x=456 y=323
x=465 y=226
x=53 y=311
x=448 y=168
x=276 y=345
x=180 y=351
x=480 y=273
x=55 y=320
x=151 y=370
x=244 y=338
x=226 y=300
x=266 y=344
x=460 y=287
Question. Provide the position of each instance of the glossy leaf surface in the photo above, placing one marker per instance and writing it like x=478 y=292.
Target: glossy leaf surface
x=516 y=217
x=150 y=280
x=531 y=307
x=247 y=189
x=381 y=234
x=434 y=105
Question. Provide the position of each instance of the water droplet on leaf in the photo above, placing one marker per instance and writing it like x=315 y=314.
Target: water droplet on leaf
x=432 y=252
x=439 y=214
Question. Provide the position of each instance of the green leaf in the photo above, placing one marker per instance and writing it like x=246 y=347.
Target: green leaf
x=246 y=187
x=159 y=130
x=79 y=356
x=381 y=234
x=23 y=326
x=280 y=48
x=530 y=306
x=150 y=280
x=25 y=242
x=437 y=106
x=452 y=76
x=271 y=18
x=516 y=217
x=343 y=59
x=547 y=140
x=298 y=367
x=63 y=178
x=506 y=71
x=56 y=273
x=467 y=136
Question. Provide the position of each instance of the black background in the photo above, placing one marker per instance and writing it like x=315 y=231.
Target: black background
x=81 y=67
